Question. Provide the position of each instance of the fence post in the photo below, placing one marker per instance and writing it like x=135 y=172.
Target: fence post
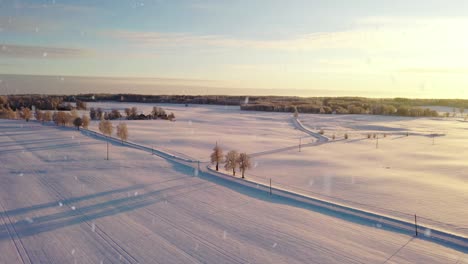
x=416 y=224
x=270 y=186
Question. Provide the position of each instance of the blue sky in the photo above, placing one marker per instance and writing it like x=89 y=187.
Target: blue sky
x=416 y=48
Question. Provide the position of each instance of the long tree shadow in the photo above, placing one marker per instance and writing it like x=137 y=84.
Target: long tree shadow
x=80 y=215
x=60 y=146
x=31 y=142
x=24 y=210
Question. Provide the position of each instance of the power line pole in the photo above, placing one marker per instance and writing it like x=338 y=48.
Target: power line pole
x=416 y=224
x=107 y=148
x=270 y=186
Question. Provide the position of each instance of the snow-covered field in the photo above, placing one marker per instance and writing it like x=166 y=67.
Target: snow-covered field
x=199 y=127
x=62 y=202
x=404 y=176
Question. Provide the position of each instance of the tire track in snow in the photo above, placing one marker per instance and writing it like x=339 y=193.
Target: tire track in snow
x=103 y=235
x=437 y=236
x=258 y=226
x=20 y=249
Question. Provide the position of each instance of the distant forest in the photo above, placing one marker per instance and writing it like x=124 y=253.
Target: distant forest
x=318 y=105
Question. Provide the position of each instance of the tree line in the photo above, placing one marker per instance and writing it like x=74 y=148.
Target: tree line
x=130 y=114
x=342 y=105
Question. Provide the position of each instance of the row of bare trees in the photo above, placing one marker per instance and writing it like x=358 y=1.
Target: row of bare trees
x=232 y=161
x=106 y=128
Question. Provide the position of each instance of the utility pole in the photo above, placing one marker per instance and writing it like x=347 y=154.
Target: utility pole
x=377 y=142
x=300 y=143
x=416 y=224
x=270 y=186
x=107 y=148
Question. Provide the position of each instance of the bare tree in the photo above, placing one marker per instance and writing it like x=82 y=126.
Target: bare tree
x=106 y=128
x=231 y=161
x=115 y=114
x=78 y=122
x=47 y=116
x=39 y=116
x=244 y=163
x=128 y=112
x=92 y=113
x=122 y=132
x=69 y=118
x=74 y=114
x=26 y=114
x=11 y=114
x=133 y=112
x=171 y=117
x=296 y=113
x=217 y=156
x=61 y=118
x=99 y=113
x=85 y=119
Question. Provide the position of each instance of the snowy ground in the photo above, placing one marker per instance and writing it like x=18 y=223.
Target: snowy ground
x=402 y=177
x=199 y=127
x=62 y=202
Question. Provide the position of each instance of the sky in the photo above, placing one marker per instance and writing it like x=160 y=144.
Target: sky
x=300 y=47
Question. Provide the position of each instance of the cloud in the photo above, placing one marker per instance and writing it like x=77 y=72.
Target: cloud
x=374 y=34
x=310 y=41
x=26 y=24
x=435 y=70
x=53 y=6
x=23 y=51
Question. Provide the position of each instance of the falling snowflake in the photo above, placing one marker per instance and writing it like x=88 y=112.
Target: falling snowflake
x=427 y=232
x=73 y=208
x=60 y=204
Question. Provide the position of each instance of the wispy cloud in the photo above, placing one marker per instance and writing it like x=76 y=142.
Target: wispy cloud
x=23 y=51
x=26 y=24
x=371 y=35
x=52 y=6
x=310 y=41
x=435 y=70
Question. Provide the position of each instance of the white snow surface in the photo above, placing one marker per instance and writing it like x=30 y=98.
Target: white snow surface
x=420 y=174
x=62 y=202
